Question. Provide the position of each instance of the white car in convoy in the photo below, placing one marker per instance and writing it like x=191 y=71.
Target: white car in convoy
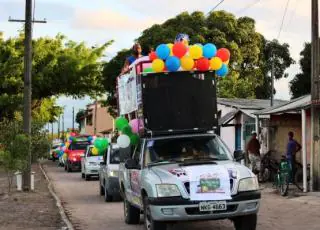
x=90 y=164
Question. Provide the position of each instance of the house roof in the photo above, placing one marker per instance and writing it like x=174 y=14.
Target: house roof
x=291 y=106
x=249 y=104
x=228 y=117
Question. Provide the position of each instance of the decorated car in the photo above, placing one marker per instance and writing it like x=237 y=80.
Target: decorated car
x=90 y=163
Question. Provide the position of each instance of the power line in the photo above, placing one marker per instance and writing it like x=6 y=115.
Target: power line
x=284 y=16
x=248 y=6
x=293 y=12
x=216 y=6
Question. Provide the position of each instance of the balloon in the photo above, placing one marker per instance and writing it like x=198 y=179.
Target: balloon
x=121 y=122
x=203 y=64
x=179 y=49
x=223 y=71
x=73 y=134
x=90 y=138
x=153 y=56
x=198 y=44
x=127 y=130
x=95 y=151
x=173 y=63
x=148 y=70
x=163 y=51
x=134 y=139
x=136 y=125
x=215 y=63
x=227 y=62
x=158 y=65
x=187 y=63
x=170 y=45
x=209 y=50
x=123 y=141
x=224 y=54
x=195 y=52
x=101 y=143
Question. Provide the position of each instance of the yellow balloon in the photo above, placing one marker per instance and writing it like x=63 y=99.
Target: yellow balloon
x=195 y=52
x=65 y=156
x=157 y=65
x=170 y=45
x=215 y=63
x=95 y=151
x=187 y=63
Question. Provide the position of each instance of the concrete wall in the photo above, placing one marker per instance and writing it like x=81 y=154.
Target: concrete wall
x=104 y=120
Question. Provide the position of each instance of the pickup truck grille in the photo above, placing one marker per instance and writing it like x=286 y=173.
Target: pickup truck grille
x=187 y=185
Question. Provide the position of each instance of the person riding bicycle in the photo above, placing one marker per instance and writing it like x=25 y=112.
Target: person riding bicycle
x=253 y=153
x=292 y=148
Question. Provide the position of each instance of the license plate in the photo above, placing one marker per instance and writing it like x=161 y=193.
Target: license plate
x=212 y=206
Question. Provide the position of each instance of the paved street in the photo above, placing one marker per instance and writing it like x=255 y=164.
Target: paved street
x=87 y=209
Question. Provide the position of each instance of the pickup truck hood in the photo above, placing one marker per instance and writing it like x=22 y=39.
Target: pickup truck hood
x=171 y=172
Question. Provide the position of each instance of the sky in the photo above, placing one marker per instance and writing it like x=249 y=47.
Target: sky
x=98 y=21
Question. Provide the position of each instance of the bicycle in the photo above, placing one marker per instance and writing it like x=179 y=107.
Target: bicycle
x=282 y=178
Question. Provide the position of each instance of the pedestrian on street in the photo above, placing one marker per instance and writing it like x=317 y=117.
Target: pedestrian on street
x=253 y=153
x=292 y=148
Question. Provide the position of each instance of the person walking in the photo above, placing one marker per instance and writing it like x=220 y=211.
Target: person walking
x=253 y=153
x=292 y=148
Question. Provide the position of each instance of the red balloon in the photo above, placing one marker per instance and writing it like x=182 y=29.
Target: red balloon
x=223 y=54
x=73 y=134
x=179 y=49
x=153 y=56
x=203 y=64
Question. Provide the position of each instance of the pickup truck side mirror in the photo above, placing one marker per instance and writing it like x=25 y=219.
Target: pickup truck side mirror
x=131 y=164
x=238 y=155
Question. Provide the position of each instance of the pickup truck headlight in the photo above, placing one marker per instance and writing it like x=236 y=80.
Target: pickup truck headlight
x=167 y=190
x=113 y=173
x=248 y=184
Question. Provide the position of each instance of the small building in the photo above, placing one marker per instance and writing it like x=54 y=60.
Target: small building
x=237 y=120
x=97 y=120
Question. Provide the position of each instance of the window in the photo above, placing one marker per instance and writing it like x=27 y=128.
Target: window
x=89 y=154
x=79 y=146
x=186 y=148
x=89 y=120
x=137 y=153
x=115 y=156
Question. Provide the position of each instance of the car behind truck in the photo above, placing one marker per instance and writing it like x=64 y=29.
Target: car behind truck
x=181 y=170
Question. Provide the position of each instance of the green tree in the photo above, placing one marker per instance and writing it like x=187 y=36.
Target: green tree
x=301 y=84
x=60 y=67
x=79 y=117
x=249 y=75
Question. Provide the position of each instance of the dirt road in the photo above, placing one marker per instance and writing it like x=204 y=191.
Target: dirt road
x=87 y=210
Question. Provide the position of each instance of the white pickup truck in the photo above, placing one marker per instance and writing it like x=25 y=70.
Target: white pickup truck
x=188 y=177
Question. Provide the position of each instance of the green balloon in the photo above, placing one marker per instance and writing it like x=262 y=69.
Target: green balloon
x=148 y=70
x=101 y=144
x=127 y=130
x=134 y=139
x=121 y=122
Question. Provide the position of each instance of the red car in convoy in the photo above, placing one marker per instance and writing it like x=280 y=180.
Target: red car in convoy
x=74 y=152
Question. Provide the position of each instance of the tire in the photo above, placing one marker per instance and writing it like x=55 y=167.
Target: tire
x=284 y=185
x=149 y=223
x=101 y=189
x=82 y=175
x=107 y=197
x=65 y=167
x=86 y=177
x=248 y=222
x=131 y=213
x=69 y=168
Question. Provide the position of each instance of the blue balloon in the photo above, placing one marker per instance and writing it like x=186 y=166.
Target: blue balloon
x=209 y=50
x=60 y=154
x=90 y=138
x=223 y=71
x=163 y=51
x=173 y=63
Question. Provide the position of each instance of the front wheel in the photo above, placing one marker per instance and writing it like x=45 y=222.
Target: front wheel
x=131 y=213
x=248 y=222
x=149 y=223
x=284 y=184
x=107 y=197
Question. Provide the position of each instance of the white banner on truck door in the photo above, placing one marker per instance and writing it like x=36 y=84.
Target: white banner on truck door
x=127 y=89
x=209 y=183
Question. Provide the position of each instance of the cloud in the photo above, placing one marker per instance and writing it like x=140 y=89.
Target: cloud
x=109 y=20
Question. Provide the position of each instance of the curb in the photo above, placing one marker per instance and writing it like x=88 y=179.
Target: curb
x=58 y=202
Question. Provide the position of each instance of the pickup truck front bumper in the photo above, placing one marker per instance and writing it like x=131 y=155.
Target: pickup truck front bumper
x=180 y=209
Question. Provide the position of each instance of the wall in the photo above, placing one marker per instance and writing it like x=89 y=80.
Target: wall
x=104 y=120
x=227 y=134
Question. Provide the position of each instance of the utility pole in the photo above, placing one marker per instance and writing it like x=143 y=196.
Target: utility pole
x=27 y=86
x=72 y=119
x=314 y=185
x=59 y=127
x=63 y=126
x=272 y=79
x=95 y=116
x=52 y=131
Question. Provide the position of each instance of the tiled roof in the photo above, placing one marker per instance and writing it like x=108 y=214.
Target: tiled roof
x=252 y=104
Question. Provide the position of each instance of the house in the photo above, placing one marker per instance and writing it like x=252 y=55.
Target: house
x=237 y=120
x=97 y=120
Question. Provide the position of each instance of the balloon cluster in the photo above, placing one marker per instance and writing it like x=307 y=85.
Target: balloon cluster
x=128 y=131
x=179 y=56
x=100 y=146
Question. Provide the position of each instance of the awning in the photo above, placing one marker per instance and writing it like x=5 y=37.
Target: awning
x=228 y=117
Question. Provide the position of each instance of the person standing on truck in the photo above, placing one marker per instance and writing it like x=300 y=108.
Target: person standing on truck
x=253 y=153
x=136 y=54
x=184 y=38
x=292 y=148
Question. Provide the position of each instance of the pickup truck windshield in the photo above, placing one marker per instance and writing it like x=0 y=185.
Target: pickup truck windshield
x=186 y=148
x=115 y=156
x=79 y=146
